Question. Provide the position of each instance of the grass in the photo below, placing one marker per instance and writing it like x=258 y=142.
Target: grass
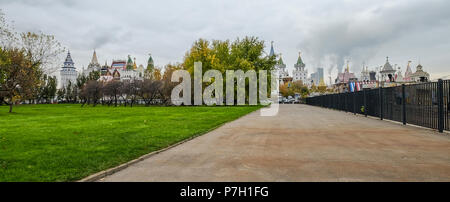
x=68 y=142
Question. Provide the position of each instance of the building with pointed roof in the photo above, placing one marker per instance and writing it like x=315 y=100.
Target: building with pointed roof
x=68 y=72
x=408 y=72
x=148 y=72
x=343 y=79
x=141 y=70
x=134 y=64
x=365 y=74
x=346 y=76
x=93 y=65
x=300 y=73
x=272 y=51
x=150 y=63
x=282 y=71
x=387 y=72
x=420 y=75
x=283 y=74
x=129 y=63
x=105 y=73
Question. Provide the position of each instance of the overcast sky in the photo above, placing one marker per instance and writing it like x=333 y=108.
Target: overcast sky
x=327 y=32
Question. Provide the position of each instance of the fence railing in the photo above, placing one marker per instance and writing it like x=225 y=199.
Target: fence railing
x=424 y=104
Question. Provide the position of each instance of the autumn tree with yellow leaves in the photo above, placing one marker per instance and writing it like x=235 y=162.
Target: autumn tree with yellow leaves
x=241 y=54
x=23 y=58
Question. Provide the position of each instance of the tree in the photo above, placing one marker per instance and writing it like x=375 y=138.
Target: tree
x=24 y=58
x=150 y=90
x=60 y=94
x=71 y=91
x=292 y=88
x=133 y=89
x=113 y=90
x=284 y=90
x=47 y=89
x=157 y=74
x=92 y=92
x=242 y=54
x=93 y=76
x=21 y=76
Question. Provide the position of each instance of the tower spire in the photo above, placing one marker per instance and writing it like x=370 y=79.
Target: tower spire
x=272 y=51
x=150 y=63
x=94 y=58
x=348 y=67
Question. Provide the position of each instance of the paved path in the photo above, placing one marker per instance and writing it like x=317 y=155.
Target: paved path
x=302 y=143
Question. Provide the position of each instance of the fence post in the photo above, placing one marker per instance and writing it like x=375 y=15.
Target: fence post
x=440 y=105
x=365 y=102
x=380 y=95
x=403 y=104
x=345 y=102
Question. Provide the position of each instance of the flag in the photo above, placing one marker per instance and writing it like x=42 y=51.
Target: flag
x=352 y=87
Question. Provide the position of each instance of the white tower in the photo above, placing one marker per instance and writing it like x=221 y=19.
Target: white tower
x=68 y=72
x=300 y=73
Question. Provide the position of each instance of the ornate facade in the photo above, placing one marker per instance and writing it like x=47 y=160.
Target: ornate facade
x=365 y=74
x=93 y=65
x=68 y=72
x=122 y=70
x=300 y=73
x=346 y=76
x=387 y=72
x=408 y=72
x=420 y=75
x=283 y=74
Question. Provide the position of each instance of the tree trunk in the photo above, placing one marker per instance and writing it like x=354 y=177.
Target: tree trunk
x=11 y=107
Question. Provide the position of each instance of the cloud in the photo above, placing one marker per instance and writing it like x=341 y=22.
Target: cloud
x=360 y=35
x=327 y=32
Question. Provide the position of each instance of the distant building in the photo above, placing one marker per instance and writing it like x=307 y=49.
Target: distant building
x=399 y=75
x=387 y=72
x=148 y=73
x=343 y=79
x=119 y=65
x=93 y=65
x=280 y=66
x=141 y=70
x=420 y=75
x=125 y=70
x=408 y=72
x=282 y=72
x=373 y=76
x=316 y=77
x=300 y=73
x=105 y=73
x=365 y=74
x=68 y=72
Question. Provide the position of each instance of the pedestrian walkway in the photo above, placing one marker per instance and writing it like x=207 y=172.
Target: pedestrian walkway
x=302 y=143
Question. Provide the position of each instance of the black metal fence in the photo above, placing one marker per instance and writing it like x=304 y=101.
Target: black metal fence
x=424 y=104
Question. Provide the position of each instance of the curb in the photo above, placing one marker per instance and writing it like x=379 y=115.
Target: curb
x=102 y=174
x=105 y=173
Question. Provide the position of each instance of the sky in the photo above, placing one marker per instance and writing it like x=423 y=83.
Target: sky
x=327 y=32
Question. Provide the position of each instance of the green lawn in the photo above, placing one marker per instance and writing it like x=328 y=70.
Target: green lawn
x=68 y=142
